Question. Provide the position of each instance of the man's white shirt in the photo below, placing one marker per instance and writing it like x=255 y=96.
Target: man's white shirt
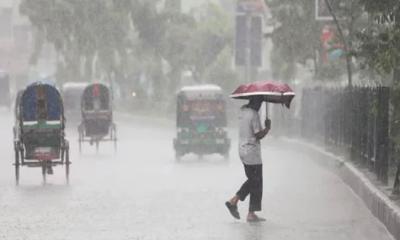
x=249 y=146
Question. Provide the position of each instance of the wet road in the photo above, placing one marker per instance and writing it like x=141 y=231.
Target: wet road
x=142 y=193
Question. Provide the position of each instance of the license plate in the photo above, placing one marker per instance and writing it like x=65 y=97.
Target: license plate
x=43 y=153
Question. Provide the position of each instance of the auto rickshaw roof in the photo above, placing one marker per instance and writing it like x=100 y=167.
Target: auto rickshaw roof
x=208 y=91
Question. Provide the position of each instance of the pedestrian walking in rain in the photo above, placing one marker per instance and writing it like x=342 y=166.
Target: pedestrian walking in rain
x=250 y=134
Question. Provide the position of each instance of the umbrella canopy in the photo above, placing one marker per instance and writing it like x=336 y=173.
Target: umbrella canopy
x=272 y=92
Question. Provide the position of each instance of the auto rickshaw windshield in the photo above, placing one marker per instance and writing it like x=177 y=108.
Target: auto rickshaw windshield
x=201 y=110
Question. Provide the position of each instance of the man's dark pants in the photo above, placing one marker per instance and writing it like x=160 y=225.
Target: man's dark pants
x=253 y=186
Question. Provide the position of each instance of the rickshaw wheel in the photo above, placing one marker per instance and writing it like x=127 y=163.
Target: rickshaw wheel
x=22 y=155
x=44 y=168
x=62 y=156
x=17 y=166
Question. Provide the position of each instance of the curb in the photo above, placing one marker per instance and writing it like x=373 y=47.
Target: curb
x=377 y=202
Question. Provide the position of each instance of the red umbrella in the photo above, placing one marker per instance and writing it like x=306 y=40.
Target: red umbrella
x=272 y=92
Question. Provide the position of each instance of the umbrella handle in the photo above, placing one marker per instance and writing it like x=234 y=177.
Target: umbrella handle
x=267 y=125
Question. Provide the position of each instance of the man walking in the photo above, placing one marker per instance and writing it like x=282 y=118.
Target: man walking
x=250 y=134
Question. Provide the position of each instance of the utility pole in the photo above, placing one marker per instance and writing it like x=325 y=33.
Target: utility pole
x=248 y=75
x=345 y=43
x=248 y=52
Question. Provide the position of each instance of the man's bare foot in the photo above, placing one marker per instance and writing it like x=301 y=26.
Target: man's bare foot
x=252 y=217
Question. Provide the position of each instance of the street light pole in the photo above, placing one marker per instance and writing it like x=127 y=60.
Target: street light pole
x=248 y=48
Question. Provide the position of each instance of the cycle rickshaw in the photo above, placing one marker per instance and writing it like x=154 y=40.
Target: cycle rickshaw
x=39 y=137
x=97 y=116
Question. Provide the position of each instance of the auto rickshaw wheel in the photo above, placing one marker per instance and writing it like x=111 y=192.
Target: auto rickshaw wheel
x=17 y=165
x=67 y=163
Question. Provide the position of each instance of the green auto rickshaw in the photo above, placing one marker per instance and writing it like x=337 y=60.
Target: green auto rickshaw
x=201 y=122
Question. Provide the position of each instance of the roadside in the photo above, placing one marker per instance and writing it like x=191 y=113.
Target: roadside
x=374 y=194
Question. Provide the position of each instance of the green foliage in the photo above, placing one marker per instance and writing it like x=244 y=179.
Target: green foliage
x=381 y=6
x=79 y=30
x=221 y=73
x=332 y=70
x=395 y=117
x=212 y=35
x=380 y=49
x=125 y=39
x=296 y=37
x=379 y=43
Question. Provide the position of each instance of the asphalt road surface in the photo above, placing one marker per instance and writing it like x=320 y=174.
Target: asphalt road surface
x=142 y=193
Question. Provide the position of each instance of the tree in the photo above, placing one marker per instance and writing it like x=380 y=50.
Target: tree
x=212 y=35
x=379 y=46
x=120 y=40
x=80 y=31
x=297 y=37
